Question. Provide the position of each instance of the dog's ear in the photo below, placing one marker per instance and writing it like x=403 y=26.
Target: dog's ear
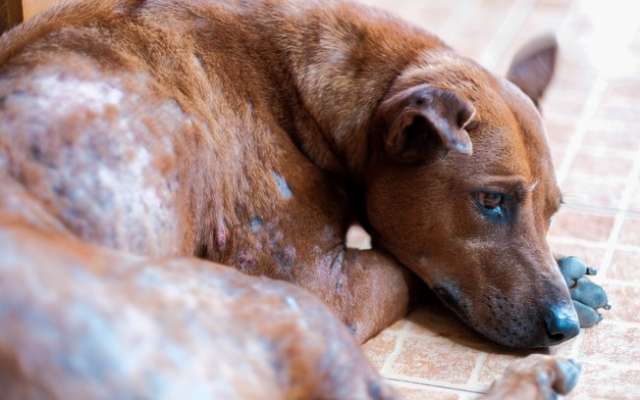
x=424 y=121
x=533 y=65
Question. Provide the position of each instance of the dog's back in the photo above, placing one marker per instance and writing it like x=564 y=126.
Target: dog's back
x=139 y=125
x=107 y=113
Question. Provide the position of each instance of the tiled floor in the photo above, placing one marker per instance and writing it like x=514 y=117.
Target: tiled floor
x=593 y=118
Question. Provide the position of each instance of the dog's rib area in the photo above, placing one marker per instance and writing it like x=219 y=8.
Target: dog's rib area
x=80 y=146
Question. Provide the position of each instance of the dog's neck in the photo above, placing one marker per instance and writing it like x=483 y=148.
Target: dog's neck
x=342 y=66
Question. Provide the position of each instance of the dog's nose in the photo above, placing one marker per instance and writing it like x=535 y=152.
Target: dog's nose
x=561 y=323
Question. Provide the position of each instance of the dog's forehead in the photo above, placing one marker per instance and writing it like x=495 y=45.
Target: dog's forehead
x=512 y=139
x=530 y=129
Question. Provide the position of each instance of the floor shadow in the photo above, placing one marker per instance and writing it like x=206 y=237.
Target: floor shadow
x=430 y=316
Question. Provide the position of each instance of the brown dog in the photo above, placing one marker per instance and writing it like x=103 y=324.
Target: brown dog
x=252 y=134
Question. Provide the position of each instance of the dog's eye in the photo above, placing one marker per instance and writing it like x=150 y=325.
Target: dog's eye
x=490 y=200
x=491 y=204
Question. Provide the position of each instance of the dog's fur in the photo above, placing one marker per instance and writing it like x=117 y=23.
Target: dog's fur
x=252 y=134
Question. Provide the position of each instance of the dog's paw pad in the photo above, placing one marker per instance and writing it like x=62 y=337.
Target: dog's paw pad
x=588 y=297
x=589 y=294
x=573 y=268
x=587 y=316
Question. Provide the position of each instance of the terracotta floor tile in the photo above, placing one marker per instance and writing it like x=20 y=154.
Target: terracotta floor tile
x=579 y=81
x=379 y=348
x=436 y=359
x=422 y=392
x=591 y=255
x=436 y=321
x=613 y=135
x=604 y=392
x=611 y=164
x=635 y=203
x=558 y=153
x=600 y=381
x=625 y=303
x=630 y=233
x=621 y=112
x=582 y=225
x=625 y=266
x=623 y=88
x=561 y=102
x=494 y=366
x=612 y=343
x=586 y=191
x=559 y=130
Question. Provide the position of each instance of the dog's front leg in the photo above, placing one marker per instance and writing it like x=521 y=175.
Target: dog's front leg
x=82 y=321
x=537 y=377
x=367 y=289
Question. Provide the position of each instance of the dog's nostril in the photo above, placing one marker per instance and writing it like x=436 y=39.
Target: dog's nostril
x=561 y=324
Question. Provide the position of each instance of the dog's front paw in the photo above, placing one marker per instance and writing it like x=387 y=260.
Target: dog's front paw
x=536 y=377
x=587 y=296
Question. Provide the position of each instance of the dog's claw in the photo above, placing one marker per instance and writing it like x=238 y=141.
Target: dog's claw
x=569 y=374
x=588 y=297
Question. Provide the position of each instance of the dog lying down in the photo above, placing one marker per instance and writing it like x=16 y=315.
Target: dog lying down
x=177 y=178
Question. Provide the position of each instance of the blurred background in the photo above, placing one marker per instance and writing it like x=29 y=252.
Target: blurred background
x=592 y=114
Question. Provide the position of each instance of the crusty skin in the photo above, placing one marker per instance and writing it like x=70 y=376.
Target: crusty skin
x=249 y=134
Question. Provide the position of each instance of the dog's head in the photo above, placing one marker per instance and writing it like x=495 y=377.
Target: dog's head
x=463 y=191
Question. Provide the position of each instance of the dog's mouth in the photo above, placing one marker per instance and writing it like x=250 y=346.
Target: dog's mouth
x=451 y=297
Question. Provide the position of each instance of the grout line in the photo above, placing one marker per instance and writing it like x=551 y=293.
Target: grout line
x=503 y=36
x=391 y=358
x=439 y=385
x=475 y=374
x=627 y=196
x=589 y=110
x=401 y=383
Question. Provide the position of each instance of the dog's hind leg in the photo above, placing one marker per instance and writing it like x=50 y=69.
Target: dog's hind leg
x=81 y=321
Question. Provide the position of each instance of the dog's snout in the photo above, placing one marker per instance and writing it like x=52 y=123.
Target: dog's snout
x=561 y=323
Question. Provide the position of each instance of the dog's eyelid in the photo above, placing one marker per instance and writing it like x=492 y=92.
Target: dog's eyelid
x=513 y=187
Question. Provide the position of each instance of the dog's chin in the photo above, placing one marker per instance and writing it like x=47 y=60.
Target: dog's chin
x=509 y=329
